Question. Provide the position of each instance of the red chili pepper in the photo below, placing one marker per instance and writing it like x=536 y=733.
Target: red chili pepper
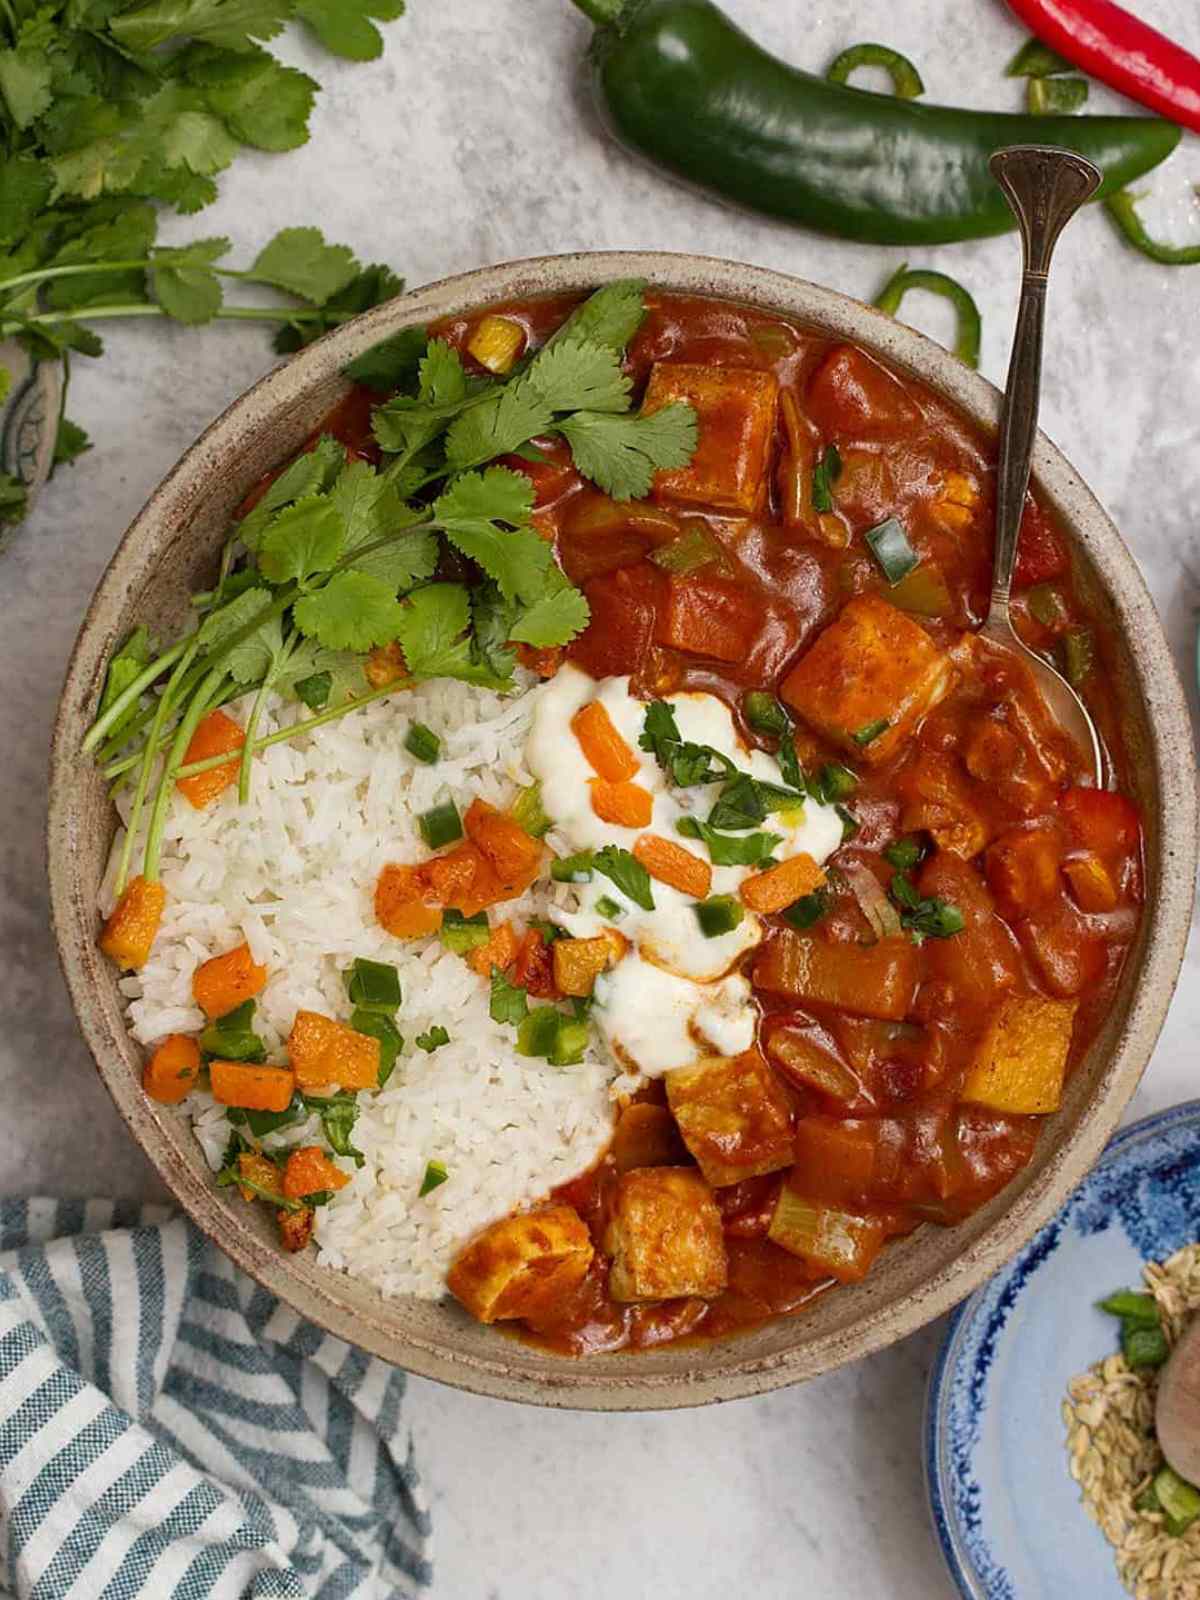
x=1111 y=44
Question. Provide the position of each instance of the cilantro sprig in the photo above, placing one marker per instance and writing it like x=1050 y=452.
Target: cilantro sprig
x=111 y=109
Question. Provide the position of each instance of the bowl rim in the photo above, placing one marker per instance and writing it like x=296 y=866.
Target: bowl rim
x=717 y=1372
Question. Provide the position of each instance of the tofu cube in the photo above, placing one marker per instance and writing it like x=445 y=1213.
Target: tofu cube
x=872 y=980
x=869 y=679
x=734 y=1117
x=665 y=1237
x=1022 y=1059
x=522 y=1266
x=735 y=408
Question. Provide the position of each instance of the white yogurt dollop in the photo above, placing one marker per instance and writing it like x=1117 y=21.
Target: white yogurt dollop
x=673 y=997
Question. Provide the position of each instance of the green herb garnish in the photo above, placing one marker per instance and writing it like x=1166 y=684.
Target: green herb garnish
x=924 y=918
x=629 y=875
x=808 y=910
x=905 y=854
x=338 y=1114
x=507 y=1003
x=731 y=850
x=573 y=869
x=433 y=1040
x=379 y=1025
x=825 y=474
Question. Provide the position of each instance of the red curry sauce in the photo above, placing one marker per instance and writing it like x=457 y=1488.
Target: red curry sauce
x=896 y=1141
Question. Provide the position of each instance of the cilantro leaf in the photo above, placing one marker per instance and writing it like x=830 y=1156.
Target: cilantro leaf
x=183 y=282
x=234 y=24
x=25 y=79
x=310 y=659
x=299 y=261
x=390 y=364
x=24 y=191
x=610 y=317
x=507 y=1003
x=338 y=1114
x=136 y=653
x=499 y=424
x=556 y=618
x=369 y=287
x=731 y=850
x=433 y=1040
x=687 y=764
x=70 y=442
x=344 y=26
x=431 y=632
x=499 y=495
x=309 y=474
x=302 y=539
x=354 y=611
x=621 y=454
x=492 y=619
x=518 y=559
x=253 y=658
x=578 y=376
x=260 y=101
x=372 y=511
x=629 y=875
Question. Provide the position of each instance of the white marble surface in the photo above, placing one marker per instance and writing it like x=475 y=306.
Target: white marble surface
x=469 y=143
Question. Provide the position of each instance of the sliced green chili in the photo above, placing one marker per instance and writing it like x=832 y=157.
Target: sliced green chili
x=373 y=985
x=871 y=732
x=825 y=474
x=1077 y=651
x=970 y=324
x=435 y=1177
x=537 y=1031
x=1053 y=97
x=890 y=547
x=1122 y=208
x=528 y=812
x=1036 y=60
x=573 y=869
x=694 y=548
x=765 y=714
x=718 y=916
x=906 y=80
x=423 y=743
x=461 y=934
x=606 y=906
x=442 y=825
x=808 y=910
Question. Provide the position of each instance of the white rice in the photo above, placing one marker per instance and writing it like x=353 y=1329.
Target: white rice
x=293 y=874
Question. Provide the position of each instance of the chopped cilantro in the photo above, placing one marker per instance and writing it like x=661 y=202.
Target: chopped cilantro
x=433 y=1039
x=924 y=918
x=507 y=1002
x=629 y=875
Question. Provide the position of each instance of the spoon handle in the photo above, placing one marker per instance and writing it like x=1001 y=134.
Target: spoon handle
x=1045 y=187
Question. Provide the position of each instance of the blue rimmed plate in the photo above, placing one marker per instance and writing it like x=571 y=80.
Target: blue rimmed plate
x=1006 y=1510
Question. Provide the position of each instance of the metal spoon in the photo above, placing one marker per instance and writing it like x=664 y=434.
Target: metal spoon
x=1177 y=1409
x=1045 y=187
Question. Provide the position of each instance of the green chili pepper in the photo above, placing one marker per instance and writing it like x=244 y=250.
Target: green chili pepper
x=966 y=343
x=1050 y=95
x=680 y=84
x=906 y=80
x=1122 y=208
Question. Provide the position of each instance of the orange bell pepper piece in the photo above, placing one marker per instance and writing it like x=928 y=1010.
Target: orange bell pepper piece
x=579 y=962
x=511 y=853
x=222 y=984
x=130 y=931
x=262 y=1172
x=671 y=864
x=500 y=951
x=324 y=1052
x=534 y=970
x=401 y=905
x=606 y=750
x=216 y=735
x=309 y=1171
x=626 y=804
x=778 y=887
x=170 y=1074
x=250 y=1087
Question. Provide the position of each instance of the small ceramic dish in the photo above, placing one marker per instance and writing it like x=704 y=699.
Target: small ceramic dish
x=1006 y=1510
x=172 y=549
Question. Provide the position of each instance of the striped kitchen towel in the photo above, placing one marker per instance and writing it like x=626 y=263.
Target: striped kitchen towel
x=170 y=1431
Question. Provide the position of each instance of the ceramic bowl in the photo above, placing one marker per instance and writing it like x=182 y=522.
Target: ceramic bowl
x=170 y=550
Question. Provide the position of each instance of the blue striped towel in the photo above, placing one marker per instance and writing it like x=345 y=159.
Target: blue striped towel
x=169 y=1429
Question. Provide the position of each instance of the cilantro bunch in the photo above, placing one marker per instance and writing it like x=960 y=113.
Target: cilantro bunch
x=338 y=560
x=111 y=109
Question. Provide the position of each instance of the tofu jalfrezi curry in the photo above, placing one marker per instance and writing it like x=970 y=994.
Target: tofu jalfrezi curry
x=822 y=566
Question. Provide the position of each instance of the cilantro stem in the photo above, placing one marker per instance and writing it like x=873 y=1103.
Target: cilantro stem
x=161 y=712
x=133 y=309
x=252 y=720
x=133 y=693
x=138 y=264
x=196 y=708
x=295 y=729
